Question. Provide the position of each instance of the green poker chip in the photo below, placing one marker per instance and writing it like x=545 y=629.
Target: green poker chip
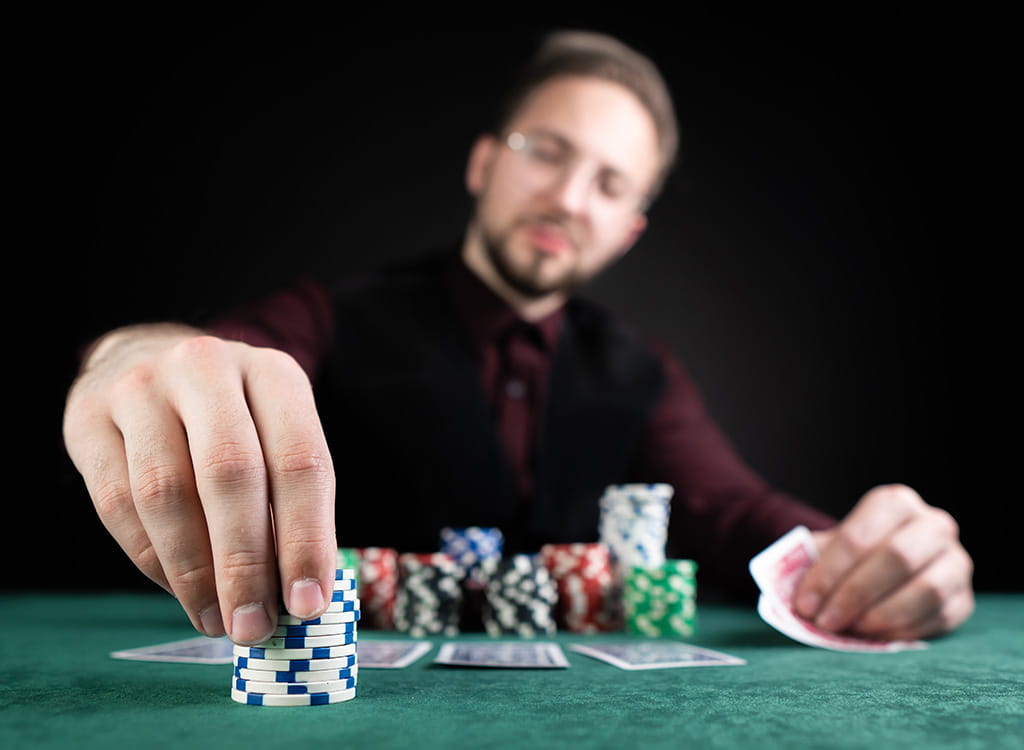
x=661 y=601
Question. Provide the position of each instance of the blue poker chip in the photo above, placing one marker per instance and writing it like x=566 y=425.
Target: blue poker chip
x=317 y=675
x=294 y=665
x=294 y=688
x=345 y=574
x=338 y=612
x=331 y=628
x=311 y=641
x=318 y=652
x=312 y=699
x=342 y=595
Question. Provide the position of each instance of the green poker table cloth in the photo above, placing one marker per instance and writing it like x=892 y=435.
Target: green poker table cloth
x=60 y=688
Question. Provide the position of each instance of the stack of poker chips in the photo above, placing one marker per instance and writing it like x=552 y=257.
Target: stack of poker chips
x=661 y=600
x=305 y=662
x=520 y=598
x=634 y=524
x=476 y=550
x=377 y=574
x=585 y=583
x=429 y=599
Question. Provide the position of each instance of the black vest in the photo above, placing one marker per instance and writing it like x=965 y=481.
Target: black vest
x=413 y=438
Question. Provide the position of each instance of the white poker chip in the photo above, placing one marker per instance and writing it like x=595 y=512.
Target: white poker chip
x=319 y=675
x=294 y=688
x=342 y=601
x=334 y=628
x=294 y=665
x=313 y=699
x=322 y=652
x=347 y=585
x=345 y=574
x=351 y=614
x=313 y=641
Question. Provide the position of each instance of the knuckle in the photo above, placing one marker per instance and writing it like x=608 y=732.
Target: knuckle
x=199 y=349
x=277 y=359
x=901 y=558
x=135 y=382
x=855 y=540
x=304 y=543
x=193 y=577
x=304 y=458
x=112 y=497
x=243 y=565
x=229 y=463
x=945 y=522
x=897 y=495
x=157 y=486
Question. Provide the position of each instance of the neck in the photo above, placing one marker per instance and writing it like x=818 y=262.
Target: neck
x=528 y=308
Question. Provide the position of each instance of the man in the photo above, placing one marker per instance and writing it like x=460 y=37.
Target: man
x=470 y=388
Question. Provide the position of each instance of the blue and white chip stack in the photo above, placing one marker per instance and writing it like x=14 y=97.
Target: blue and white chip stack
x=305 y=662
x=475 y=549
x=634 y=525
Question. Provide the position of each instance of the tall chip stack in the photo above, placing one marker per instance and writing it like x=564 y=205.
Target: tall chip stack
x=305 y=662
x=585 y=583
x=633 y=523
x=429 y=599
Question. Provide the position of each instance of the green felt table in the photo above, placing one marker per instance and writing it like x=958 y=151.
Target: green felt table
x=61 y=689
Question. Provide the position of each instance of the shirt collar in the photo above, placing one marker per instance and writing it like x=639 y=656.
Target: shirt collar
x=486 y=315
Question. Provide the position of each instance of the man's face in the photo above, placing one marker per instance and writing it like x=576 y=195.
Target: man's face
x=561 y=195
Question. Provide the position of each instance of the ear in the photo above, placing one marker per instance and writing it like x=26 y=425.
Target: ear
x=480 y=158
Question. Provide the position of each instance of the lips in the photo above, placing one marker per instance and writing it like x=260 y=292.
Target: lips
x=549 y=239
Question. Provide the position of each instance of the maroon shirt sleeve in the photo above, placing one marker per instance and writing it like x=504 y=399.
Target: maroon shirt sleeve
x=722 y=513
x=298 y=320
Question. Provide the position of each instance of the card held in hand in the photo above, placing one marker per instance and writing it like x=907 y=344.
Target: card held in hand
x=778 y=570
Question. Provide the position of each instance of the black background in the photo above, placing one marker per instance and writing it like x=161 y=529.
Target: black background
x=832 y=259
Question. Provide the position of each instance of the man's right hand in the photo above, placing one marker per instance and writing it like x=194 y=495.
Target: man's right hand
x=206 y=462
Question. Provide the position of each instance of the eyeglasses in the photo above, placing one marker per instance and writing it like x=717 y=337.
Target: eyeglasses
x=548 y=159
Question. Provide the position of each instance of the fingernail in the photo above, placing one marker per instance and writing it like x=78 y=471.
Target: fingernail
x=211 y=621
x=830 y=619
x=250 y=624
x=807 y=604
x=306 y=598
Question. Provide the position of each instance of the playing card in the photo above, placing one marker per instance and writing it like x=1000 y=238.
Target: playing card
x=777 y=571
x=656 y=655
x=199 y=650
x=390 y=654
x=503 y=654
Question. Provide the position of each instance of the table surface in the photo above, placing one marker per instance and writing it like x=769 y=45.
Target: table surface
x=62 y=689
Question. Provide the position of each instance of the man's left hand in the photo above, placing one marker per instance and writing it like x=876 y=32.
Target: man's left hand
x=893 y=569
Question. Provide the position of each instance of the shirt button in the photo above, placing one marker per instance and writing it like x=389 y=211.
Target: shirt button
x=515 y=389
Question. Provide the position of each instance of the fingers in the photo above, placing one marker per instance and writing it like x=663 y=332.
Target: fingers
x=932 y=603
x=97 y=450
x=184 y=450
x=301 y=479
x=894 y=565
x=165 y=497
x=872 y=520
x=231 y=481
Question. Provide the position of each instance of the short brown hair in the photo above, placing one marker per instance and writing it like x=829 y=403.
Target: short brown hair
x=598 y=55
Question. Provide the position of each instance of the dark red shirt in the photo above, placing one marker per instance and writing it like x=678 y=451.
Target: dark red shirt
x=721 y=508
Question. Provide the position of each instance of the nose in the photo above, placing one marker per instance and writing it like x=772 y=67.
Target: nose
x=571 y=191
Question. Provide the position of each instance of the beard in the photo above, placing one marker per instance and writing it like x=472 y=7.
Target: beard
x=531 y=277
